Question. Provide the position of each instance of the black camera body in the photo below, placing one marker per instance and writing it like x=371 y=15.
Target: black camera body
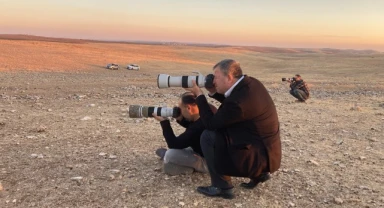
x=288 y=79
x=209 y=81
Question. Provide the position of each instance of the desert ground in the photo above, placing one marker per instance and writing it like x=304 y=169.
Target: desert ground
x=66 y=139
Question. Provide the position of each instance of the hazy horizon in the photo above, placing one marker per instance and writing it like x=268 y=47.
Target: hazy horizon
x=295 y=24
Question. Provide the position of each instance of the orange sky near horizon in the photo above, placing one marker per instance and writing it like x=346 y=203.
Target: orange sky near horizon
x=346 y=24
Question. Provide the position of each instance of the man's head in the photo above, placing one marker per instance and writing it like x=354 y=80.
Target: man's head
x=226 y=72
x=188 y=106
x=297 y=77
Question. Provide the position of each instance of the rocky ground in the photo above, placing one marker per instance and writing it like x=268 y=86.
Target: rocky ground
x=66 y=139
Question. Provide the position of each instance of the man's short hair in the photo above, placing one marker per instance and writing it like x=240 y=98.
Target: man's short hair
x=297 y=75
x=188 y=98
x=230 y=66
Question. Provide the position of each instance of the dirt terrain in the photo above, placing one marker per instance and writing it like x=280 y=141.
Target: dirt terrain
x=66 y=139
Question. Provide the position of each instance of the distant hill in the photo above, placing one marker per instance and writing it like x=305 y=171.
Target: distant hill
x=309 y=50
x=40 y=38
x=251 y=48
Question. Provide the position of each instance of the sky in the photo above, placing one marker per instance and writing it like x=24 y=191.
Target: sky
x=344 y=24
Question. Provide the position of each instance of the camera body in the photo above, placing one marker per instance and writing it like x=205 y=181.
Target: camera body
x=166 y=81
x=288 y=79
x=139 y=111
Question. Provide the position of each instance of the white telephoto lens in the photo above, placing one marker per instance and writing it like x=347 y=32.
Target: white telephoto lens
x=166 y=112
x=163 y=81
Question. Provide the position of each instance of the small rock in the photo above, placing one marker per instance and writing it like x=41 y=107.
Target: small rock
x=342 y=165
x=14 y=201
x=115 y=171
x=112 y=156
x=40 y=156
x=313 y=162
x=364 y=187
x=312 y=183
x=181 y=203
x=362 y=158
x=373 y=139
x=356 y=108
x=49 y=110
x=31 y=137
x=238 y=205
x=92 y=105
x=339 y=142
x=77 y=178
x=86 y=118
x=102 y=154
x=12 y=111
x=41 y=129
x=291 y=204
x=338 y=200
x=69 y=166
x=111 y=177
x=34 y=155
x=1 y=187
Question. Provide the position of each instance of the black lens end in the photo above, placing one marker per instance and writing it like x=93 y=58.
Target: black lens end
x=209 y=81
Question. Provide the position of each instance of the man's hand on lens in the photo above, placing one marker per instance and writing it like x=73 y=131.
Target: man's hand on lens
x=159 y=118
x=195 y=89
x=180 y=118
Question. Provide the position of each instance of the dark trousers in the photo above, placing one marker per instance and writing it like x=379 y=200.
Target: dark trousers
x=207 y=141
x=299 y=94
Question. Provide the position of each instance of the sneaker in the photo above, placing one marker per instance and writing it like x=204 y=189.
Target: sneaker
x=161 y=153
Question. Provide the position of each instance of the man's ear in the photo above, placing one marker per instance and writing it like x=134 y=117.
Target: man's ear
x=230 y=78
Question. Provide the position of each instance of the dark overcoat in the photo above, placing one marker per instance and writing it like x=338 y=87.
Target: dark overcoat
x=249 y=125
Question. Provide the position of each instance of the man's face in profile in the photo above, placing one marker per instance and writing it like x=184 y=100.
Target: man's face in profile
x=184 y=111
x=220 y=81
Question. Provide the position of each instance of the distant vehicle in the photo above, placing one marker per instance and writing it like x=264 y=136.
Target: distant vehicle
x=133 y=67
x=113 y=66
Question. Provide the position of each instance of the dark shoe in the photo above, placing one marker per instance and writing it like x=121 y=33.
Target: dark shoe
x=161 y=152
x=216 y=192
x=253 y=183
x=173 y=169
x=300 y=101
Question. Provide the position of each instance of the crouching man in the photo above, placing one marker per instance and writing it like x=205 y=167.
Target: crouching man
x=184 y=155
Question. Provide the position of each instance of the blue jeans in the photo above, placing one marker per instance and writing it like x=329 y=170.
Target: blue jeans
x=299 y=94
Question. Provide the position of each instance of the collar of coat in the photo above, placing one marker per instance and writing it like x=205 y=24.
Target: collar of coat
x=241 y=84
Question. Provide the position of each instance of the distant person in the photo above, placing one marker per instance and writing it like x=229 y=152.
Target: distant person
x=242 y=138
x=299 y=89
x=184 y=154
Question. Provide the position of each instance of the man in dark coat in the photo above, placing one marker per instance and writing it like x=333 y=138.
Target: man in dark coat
x=299 y=88
x=243 y=138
